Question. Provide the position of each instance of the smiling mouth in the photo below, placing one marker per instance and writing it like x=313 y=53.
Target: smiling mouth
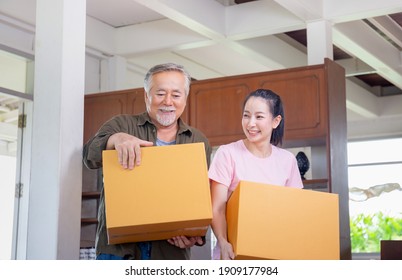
x=166 y=111
x=253 y=134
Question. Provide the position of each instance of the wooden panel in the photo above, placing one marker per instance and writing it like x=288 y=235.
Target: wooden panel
x=88 y=233
x=216 y=105
x=89 y=181
x=99 y=108
x=304 y=100
x=136 y=101
x=216 y=109
x=337 y=148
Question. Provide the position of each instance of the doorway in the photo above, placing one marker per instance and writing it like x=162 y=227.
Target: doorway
x=8 y=163
x=16 y=76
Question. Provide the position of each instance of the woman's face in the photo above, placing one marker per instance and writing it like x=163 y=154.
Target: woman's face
x=258 y=122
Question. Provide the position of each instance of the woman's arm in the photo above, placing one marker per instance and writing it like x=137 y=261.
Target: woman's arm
x=219 y=193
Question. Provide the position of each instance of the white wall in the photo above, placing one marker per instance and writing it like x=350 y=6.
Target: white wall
x=92 y=74
x=98 y=76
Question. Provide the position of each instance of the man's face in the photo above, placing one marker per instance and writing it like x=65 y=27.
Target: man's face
x=167 y=98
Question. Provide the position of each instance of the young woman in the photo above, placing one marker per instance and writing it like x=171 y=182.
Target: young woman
x=256 y=158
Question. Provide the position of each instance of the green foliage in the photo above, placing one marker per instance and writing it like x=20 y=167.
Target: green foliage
x=366 y=231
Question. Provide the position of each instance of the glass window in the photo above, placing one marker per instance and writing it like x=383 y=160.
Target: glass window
x=375 y=193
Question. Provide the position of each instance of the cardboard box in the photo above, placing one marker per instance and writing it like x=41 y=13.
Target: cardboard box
x=276 y=222
x=167 y=195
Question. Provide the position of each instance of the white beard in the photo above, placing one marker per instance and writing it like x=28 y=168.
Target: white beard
x=166 y=120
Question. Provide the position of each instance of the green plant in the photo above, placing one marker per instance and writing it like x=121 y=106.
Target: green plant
x=366 y=231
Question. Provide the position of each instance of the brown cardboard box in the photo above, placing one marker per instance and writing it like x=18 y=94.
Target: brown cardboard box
x=276 y=222
x=167 y=195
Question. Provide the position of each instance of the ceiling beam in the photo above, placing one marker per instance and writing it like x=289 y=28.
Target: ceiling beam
x=192 y=15
x=355 y=67
x=389 y=27
x=338 y=11
x=280 y=54
x=307 y=10
x=155 y=36
x=345 y=10
x=176 y=33
x=360 y=40
x=360 y=101
x=259 y=18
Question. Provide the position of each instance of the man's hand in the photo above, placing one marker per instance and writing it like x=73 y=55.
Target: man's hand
x=128 y=148
x=185 y=242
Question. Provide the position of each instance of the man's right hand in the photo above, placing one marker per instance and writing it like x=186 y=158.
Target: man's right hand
x=128 y=148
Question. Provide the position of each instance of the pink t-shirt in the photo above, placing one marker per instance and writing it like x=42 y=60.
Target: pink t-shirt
x=233 y=163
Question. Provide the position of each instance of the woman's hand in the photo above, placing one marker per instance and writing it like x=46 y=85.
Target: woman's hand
x=226 y=250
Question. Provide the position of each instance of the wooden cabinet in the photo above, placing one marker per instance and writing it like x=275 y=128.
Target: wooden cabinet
x=216 y=108
x=305 y=99
x=100 y=107
x=315 y=116
x=216 y=104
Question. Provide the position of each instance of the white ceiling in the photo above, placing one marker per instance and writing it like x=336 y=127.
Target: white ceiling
x=220 y=38
x=215 y=38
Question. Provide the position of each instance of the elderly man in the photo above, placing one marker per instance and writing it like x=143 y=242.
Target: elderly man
x=166 y=90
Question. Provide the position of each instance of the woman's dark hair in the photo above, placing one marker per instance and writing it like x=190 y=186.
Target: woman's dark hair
x=275 y=107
